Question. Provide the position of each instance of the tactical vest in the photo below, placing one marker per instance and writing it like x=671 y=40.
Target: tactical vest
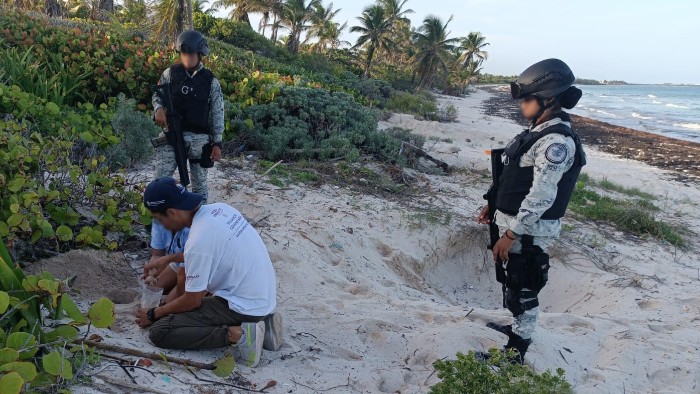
x=515 y=181
x=191 y=97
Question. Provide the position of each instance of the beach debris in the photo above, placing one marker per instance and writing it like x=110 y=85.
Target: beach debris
x=142 y=354
x=405 y=146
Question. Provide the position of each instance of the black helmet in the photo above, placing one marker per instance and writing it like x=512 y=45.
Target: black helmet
x=544 y=80
x=191 y=41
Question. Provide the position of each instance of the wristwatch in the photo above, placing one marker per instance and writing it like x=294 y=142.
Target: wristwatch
x=151 y=315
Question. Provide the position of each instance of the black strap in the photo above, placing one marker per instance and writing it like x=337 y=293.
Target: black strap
x=527 y=240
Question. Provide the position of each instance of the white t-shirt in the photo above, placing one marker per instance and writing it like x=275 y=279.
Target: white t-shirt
x=226 y=256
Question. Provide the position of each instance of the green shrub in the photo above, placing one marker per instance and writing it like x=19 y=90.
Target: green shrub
x=467 y=374
x=421 y=104
x=134 y=130
x=44 y=76
x=36 y=356
x=54 y=183
x=239 y=34
x=447 y=113
x=319 y=123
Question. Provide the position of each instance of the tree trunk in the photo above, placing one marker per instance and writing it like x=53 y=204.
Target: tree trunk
x=293 y=44
x=190 y=17
x=180 y=19
x=53 y=8
x=370 y=55
x=263 y=22
x=106 y=5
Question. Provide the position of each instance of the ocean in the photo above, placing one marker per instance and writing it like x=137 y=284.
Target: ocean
x=673 y=111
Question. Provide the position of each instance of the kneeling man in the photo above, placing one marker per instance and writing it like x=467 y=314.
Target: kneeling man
x=230 y=285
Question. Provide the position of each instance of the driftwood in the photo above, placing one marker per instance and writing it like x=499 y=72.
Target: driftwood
x=152 y=356
x=421 y=153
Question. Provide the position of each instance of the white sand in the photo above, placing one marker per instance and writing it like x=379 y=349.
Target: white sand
x=372 y=295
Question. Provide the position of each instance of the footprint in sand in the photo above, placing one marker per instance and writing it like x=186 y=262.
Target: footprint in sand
x=649 y=304
x=393 y=382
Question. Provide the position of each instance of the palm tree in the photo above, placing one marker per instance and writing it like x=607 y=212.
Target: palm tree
x=434 y=49
x=198 y=6
x=267 y=8
x=324 y=28
x=168 y=17
x=133 y=11
x=375 y=31
x=295 y=16
x=329 y=38
x=240 y=10
x=394 y=10
x=472 y=46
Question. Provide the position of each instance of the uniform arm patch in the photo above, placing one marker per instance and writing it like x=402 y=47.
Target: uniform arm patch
x=556 y=153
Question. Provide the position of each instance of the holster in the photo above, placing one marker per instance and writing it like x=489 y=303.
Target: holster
x=204 y=160
x=526 y=270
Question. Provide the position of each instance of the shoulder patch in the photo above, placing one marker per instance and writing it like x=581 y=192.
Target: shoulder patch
x=556 y=153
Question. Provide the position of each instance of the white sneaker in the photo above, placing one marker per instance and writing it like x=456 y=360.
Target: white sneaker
x=250 y=350
x=273 y=332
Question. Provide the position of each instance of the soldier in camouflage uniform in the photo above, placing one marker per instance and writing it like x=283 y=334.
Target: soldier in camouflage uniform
x=198 y=99
x=540 y=169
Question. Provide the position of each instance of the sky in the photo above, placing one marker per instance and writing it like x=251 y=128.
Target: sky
x=639 y=41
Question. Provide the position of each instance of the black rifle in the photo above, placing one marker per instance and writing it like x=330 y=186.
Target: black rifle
x=490 y=197
x=174 y=135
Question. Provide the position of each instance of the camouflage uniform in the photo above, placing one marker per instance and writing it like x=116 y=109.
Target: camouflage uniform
x=165 y=154
x=551 y=156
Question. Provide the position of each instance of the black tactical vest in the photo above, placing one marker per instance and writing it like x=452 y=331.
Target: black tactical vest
x=191 y=97
x=515 y=181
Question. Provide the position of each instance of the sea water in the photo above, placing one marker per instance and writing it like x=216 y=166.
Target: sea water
x=673 y=111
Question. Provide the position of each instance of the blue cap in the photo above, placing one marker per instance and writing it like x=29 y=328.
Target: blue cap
x=165 y=193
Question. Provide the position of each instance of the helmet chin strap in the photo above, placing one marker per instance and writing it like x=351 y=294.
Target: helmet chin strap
x=543 y=107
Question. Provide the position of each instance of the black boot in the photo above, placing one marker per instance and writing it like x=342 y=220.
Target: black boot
x=502 y=328
x=516 y=343
x=519 y=345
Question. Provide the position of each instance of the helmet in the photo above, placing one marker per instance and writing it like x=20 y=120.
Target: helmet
x=191 y=41
x=545 y=79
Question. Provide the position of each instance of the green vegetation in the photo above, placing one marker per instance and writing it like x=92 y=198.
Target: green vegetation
x=608 y=185
x=53 y=166
x=635 y=215
x=467 y=374
x=287 y=174
x=36 y=356
x=495 y=79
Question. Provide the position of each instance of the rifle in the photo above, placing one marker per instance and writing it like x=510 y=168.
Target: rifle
x=490 y=197
x=174 y=135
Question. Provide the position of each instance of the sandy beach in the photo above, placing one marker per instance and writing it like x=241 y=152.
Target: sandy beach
x=374 y=290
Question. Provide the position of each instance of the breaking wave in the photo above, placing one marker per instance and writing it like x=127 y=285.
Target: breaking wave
x=638 y=116
x=691 y=126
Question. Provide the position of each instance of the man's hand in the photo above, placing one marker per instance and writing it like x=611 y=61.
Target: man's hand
x=483 y=217
x=142 y=318
x=159 y=264
x=501 y=249
x=216 y=153
x=160 y=117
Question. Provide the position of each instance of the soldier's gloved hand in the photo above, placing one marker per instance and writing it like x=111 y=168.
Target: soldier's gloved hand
x=160 y=117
